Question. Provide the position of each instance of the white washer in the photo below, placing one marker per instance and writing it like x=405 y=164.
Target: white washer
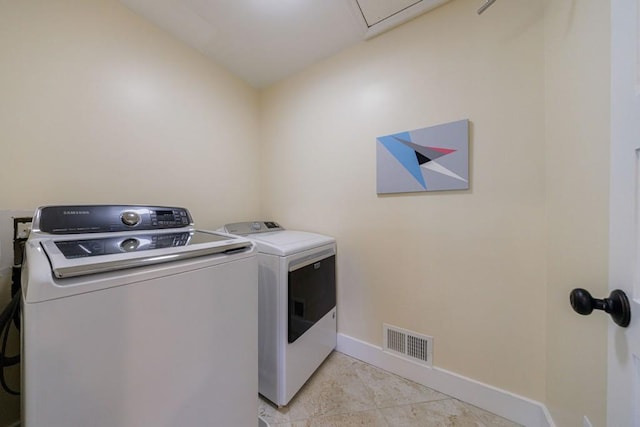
x=297 y=305
x=132 y=318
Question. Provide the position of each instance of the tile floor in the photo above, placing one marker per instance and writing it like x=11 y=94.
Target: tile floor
x=346 y=392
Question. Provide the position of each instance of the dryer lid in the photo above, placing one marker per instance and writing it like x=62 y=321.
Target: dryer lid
x=288 y=242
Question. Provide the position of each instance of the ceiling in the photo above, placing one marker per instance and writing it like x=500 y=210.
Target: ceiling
x=264 y=41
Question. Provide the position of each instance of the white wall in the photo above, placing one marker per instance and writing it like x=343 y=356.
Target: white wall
x=468 y=268
x=577 y=52
x=99 y=106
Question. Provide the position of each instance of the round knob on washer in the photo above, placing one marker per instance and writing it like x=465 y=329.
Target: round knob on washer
x=256 y=226
x=129 y=245
x=130 y=218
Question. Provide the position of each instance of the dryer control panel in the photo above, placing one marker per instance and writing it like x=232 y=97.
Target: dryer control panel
x=74 y=219
x=251 y=227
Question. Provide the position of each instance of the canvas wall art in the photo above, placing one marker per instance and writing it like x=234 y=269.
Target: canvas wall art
x=434 y=158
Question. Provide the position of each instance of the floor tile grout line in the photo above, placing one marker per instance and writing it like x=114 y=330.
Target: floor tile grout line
x=386 y=421
x=417 y=402
x=404 y=405
x=393 y=374
x=333 y=415
x=402 y=379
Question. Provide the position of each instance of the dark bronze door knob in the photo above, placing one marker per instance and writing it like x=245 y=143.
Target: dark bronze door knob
x=617 y=305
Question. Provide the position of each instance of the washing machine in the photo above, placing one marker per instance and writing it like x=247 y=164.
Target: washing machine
x=132 y=317
x=297 y=305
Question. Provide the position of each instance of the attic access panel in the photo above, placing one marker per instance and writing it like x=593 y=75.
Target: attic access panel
x=375 y=11
x=383 y=15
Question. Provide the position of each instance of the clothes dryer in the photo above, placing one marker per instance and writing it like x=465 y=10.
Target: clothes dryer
x=132 y=317
x=297 y=305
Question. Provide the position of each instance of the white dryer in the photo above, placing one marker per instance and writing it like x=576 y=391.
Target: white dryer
x=132 y=318
x=297 y=305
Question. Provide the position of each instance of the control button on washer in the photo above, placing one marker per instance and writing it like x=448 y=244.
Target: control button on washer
x=130 y=218
x=129 y=245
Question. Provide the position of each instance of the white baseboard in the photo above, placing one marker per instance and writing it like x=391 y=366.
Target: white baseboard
x=516 y=408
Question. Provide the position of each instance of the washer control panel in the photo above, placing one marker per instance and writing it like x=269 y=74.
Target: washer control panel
x=250 y=227
x=108 y=218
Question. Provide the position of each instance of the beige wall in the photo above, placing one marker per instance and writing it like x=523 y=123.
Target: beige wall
x=468 y=268
x=89 y=90
x=100 y=106
x=577 y=144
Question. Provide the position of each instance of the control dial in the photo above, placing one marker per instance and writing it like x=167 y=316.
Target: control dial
x=256 y=226
x=130 y=218
x=129 y=245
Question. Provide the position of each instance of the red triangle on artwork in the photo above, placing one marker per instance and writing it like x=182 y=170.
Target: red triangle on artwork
x=442 y=150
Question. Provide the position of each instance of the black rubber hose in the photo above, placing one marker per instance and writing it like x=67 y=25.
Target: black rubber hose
x=5 y=316
x=5 y=327
x=4 y=330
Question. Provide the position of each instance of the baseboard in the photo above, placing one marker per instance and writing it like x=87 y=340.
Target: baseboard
x=516 y=408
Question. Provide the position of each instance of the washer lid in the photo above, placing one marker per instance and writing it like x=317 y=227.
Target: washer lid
x=287 y=242
x=80 y=255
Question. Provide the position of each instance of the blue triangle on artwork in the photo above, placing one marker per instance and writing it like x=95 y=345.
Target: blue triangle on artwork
x=405 y=155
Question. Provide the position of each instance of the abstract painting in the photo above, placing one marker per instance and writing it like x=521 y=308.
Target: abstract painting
x=435 y=158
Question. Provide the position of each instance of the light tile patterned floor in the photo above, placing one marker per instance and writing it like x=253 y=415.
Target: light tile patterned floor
x=346 y=392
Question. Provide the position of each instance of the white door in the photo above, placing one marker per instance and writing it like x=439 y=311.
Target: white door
x=623 y=390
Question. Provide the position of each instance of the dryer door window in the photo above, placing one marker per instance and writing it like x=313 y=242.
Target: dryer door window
x=312 y=294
